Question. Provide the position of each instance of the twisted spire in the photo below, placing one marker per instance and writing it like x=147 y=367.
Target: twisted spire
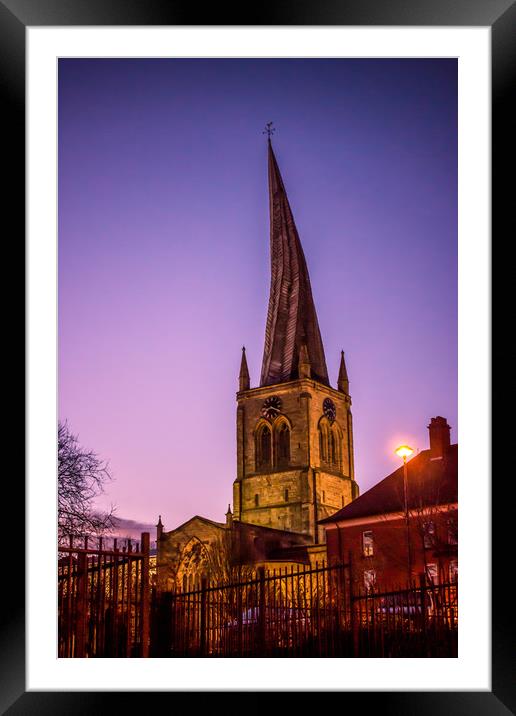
x=291 y=316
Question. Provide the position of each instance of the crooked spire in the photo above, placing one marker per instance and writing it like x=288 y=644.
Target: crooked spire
x=243 y=378
x=343 y=380
x=291 y=317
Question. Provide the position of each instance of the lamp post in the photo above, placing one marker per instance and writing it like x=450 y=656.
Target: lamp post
x=404 y=451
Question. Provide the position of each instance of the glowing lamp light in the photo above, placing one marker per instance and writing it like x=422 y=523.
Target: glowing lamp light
x=404 y=451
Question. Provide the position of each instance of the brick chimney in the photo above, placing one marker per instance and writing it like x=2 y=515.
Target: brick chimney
x=439 y=437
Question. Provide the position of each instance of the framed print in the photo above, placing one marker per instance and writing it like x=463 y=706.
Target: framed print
x=149 y=141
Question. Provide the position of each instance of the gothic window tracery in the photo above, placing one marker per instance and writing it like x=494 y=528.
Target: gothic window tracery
x=330 y=443
x=282 y=445
x=332 y=448
x=324 y=440
x=323 y=445
x=193 y=564
x=272 y=444
x=263 y=448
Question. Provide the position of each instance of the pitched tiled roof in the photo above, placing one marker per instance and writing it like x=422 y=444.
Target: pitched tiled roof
x=429 y=482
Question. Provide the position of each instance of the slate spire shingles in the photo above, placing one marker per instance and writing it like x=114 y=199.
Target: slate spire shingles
x=291 y=317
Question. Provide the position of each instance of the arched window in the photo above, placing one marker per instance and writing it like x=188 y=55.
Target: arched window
x=322 y=446
x=330 y=444
x=333 y=449
x=263 y=447
x=324 y=441
x=256 y=500
x=266 y=446
x=283 y=445
x=336 y=443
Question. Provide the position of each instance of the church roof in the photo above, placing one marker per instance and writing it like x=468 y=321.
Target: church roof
x=222 y=525
x=295 y=553
x=244 y=526
x=429 y=483
x=291 y=317
x=249 y=526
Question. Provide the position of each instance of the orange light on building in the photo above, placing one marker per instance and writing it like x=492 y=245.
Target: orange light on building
x=404 y=451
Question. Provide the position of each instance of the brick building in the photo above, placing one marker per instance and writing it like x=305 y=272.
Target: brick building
x=294 y=432
x=372 y=531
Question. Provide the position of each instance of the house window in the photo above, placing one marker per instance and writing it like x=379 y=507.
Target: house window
x=256 y=500
x=429 y=535
x=342 y=500
x=369 y=579
x=367 y=543
x=453 y=571
x=286 y=495
x=323 y=496
x=432 y=573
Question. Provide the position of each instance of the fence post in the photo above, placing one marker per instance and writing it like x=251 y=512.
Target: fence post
x=239 y=615
x=261 y=610
x=204 y=585
x=354 y=625
x=422 y=587
x=422 y=596
x=82 y=604
x=145 y=604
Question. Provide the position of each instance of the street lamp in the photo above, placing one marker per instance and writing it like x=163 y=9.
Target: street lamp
x=404 y=451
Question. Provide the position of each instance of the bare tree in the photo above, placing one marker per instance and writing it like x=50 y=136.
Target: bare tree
x=82 y=475
x=225 y=566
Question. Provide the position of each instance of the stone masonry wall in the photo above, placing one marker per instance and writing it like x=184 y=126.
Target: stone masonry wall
x=302 y=405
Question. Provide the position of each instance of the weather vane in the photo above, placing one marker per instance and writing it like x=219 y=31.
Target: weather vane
x=269 y=129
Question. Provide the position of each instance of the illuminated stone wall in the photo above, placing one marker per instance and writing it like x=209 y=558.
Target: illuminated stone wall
x=317 y=487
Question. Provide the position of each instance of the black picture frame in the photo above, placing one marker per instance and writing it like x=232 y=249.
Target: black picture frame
x=500 y=16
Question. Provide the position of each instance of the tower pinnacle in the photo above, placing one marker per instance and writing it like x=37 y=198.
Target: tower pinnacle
x=243 y=378
x=343 y=381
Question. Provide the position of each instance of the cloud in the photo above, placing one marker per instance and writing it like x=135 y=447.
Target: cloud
x=132 y=528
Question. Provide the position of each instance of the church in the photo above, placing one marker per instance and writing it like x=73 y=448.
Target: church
x=294 y=437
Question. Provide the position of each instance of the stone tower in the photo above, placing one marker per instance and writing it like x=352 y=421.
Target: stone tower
x=294 y=432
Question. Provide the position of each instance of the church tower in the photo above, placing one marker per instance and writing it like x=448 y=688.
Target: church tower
x=294 y=432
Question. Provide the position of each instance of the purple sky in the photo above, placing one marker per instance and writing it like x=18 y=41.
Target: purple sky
x=164 y=256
